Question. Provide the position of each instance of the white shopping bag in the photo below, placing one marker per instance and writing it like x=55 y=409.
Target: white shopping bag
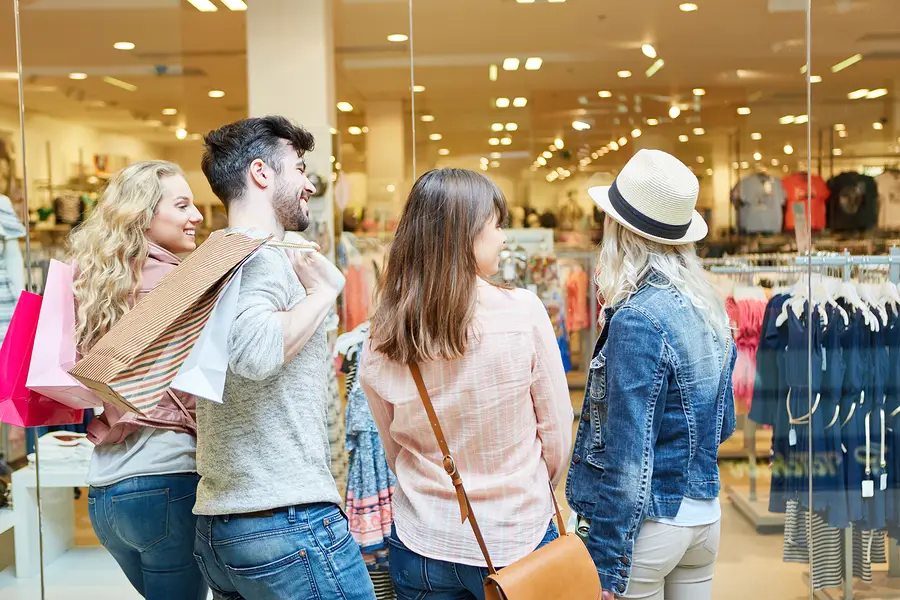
x=203 y=372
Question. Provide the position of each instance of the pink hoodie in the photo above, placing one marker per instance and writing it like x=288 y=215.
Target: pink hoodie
x=176 y=411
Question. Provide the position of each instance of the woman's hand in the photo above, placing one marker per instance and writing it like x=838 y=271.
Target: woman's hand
x=606 y=596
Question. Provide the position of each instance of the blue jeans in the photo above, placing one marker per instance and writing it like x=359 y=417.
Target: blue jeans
x=147 y=524
x=418 y=578
x=299 y=553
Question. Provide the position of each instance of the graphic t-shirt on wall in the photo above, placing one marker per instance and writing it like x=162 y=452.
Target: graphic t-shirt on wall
x=853 y=205
x=796 y=189
x=889 y=199
x=760 y=203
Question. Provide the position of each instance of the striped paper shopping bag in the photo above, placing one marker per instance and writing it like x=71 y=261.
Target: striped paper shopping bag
x=134 y=364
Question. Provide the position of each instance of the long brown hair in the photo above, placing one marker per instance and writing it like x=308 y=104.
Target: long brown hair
x=426 y=296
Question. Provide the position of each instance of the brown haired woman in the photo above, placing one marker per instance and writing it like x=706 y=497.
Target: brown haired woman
x=491 y=363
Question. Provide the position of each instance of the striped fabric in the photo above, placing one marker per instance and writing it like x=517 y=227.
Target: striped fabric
x=133 y=365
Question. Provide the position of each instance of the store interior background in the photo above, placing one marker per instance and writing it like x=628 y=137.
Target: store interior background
x=722 y=86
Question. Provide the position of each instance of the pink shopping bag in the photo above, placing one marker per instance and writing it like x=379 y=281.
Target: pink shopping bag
x=19 y=405
x=54 y=343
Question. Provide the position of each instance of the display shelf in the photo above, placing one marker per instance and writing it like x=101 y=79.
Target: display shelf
x=755 y=511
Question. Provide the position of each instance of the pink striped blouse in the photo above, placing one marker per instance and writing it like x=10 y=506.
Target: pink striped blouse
x=507 y=416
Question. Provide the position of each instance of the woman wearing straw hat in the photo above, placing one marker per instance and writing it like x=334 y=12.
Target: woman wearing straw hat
x=658 y=401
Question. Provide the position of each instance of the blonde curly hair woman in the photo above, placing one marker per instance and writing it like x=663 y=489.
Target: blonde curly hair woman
x=143 y=471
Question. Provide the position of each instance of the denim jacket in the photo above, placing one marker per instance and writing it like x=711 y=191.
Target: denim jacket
x=658 y=403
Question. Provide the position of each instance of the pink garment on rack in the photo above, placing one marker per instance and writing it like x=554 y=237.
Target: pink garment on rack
x=747 y=318
x=577 y=312
x=356 y=298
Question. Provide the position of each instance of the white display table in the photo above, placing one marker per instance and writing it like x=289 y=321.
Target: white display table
x=58 y=509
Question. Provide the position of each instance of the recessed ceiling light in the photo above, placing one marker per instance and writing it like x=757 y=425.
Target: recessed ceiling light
x=510 y=64
x=124 y=85
x=757 y=156
x=788 y=149
x=533 y=63
x=649 y=51
x=542 y=161
x=775 y=162
x=525 y=1
x=655 y=67
x=333 y=159
x=494 y=141
x=652 y=122
x=683 y=138
x=701 y=160
x=427 y=118
x=170 y=111
x=801 y=119
x=699 y=131
x=623 y=141
x=556 y=1
x=235 y=5
x=877 y=125
x=398 y=38
x=837 y=152
x=9 y=75
x=203 y=5
x=354 y=130
x=879 y=93
x=699 y=92
x=624 y=74
x=636 y=133
x=815 y=79
x=345 y=107
x=435 y=137
x=124 y=45
x=502 y=102
x=743 y=110
x=559 y=143
x=547 y=154
x=512 y=126
x=580 y=126
x=709 y=172
x=840 y=127
x=418 y=89
x=842 y=134
x=856 y=95
x=604 y=94
x=444 y=152
x=745 y=165
x=78 y=76
x=520 y=102
x=493 y=72
x=674 y=112
x=333 y=131
x=390 y=187
x=756 y=136
x=365 y=129
x=181 y=133
x=484 y=166
x=614 y=146
x=688 y=7
x=846 y=63
x=216 y=94
x=506 y=141
x=495 y=163
x=787 y=119
x=497 y=127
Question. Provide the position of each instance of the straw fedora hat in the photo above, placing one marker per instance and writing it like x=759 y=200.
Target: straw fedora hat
x=654 y=196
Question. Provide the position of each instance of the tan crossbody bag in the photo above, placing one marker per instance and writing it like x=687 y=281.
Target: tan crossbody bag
x=561 y=570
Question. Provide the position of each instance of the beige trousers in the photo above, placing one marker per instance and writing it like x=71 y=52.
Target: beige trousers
x=674 y=563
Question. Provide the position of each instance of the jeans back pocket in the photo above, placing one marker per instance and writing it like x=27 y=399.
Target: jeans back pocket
x=141 y=519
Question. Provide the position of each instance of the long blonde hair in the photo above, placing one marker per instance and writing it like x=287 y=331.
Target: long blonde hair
x=626 y=259
x=111 y=246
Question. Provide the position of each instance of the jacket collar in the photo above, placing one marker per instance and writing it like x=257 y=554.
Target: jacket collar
x=162 y=255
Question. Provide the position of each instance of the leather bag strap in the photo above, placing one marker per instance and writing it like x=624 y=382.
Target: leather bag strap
x=465 y=507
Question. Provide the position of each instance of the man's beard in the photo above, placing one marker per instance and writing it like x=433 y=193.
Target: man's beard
x=288 y=208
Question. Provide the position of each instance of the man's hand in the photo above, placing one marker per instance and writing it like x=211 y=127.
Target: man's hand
x=316 y=273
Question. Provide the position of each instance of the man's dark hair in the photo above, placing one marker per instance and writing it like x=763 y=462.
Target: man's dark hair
x=229 y=151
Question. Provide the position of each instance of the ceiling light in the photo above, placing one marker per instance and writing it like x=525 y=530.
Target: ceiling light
x=683 y=138
x=801 y=120
x=701 y=160
x=879 y=93
x=756 y=136
x=423 y=118
x=170 y=111
x=636 y=133
x=124 y=45
x=496 y=155
x=655 y=67
x=533 y=63
x=216 y=94
x=840 y=127
x=735 y=165
x=652 y=122
x=699 y=131
x=624 y=74
x=493 y=72
x=623 y=141
x=837 y=152
x=512 y=126
x=709 y=172
x=494 y=141
x=502 y=102
x=444 y=152
x=497 y=127
x=203 y=5
x=547 y=154
x=699 y=92
x=775 y=162
x=181 y=133
x=78 y=76
x=788 y=149
x=506 y=141
x=604 y=94
x=484 y=166
x=580 y=126
x=877 y=125
x=745 y=165
x=542 y=161
x=743 y=110
x=520 y=102
x=510 y=64
x=333 y=131
x=345 y=107
x=842 y=134
x=856 y=95
x=815 y=79
x=365 y=129
x=674 y=111
x=123 y=85
x=559 y=143
x=398 y=37
x=614 y=146
x=649 y=51
x=495 y=163
x=354 y=130
x=595 y=155
x=757 y=156
x=525 y=1
x=333 y=159
x=484 y=160
x=236 y=5
x=846 y=63
x=688 y=7
x=418 y=89
x=390 y=187
x=435 y=137
x=787 y=119
x=9 y=75
x=804 y=69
